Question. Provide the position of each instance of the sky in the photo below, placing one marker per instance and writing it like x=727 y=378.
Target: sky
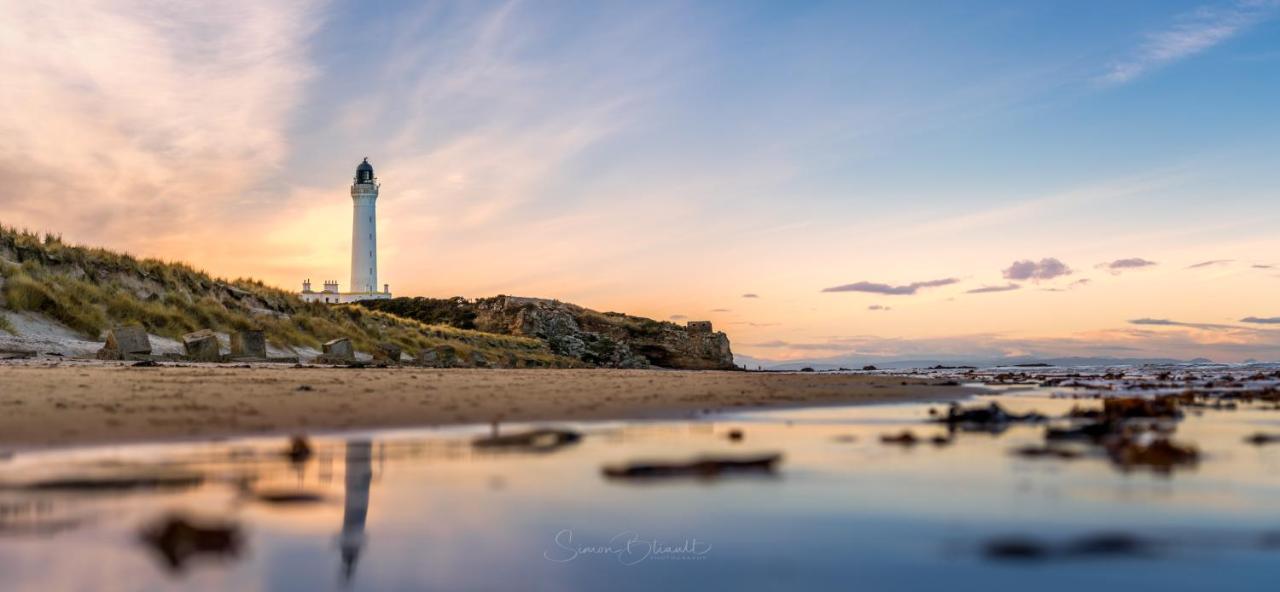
x=816 y=178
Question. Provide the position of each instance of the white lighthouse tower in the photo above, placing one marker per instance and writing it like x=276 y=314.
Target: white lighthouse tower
x=364 y=231
x=364 y=246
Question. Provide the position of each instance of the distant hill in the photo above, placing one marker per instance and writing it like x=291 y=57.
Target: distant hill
x=61 y=298
x=607 y=339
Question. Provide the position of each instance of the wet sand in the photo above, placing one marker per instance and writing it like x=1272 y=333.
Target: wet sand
x=72 y=402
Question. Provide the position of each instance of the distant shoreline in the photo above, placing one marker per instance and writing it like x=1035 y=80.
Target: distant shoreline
x=69 y=403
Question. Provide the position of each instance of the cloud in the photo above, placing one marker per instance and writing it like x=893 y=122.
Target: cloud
x=1191 y=33
x=779 y=344
x=1120 y=265
x=878 y=307
x=677 y=317
x=721 y=310
x=1080 y=283
x=1210 y=263
x=990 y=289
x=1169 y=323
x=1046 y=269
x=1262 y=266
x=750 y=295
x=902 y=290
x=1261 y=320
x=145 y=125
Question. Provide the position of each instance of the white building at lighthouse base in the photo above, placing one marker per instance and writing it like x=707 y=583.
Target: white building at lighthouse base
x=331 y=295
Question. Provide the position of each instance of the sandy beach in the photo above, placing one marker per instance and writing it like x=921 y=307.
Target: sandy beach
x=72 y=402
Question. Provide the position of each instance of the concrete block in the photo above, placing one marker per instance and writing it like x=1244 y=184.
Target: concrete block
x=427 y=357
x=387 y=352
x=249 y=344
x=339 y=349
x=126 y=342
x=445 y=356
x=202 y=346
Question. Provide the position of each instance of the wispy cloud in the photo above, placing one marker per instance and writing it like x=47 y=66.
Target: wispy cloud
x=750 y=295
x=1080 y=283
x=1045 y=269
x=1120 y=265
x=1171 y=323
x=878 y=307
x=891 y=290
x=1210 y=263
x=140 y=124
x=991 y=289
x=1261 y=320
x=1191 y=33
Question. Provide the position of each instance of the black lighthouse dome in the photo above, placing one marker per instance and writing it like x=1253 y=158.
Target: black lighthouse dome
x=364 y=172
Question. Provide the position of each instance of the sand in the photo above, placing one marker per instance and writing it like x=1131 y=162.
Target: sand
x=61 y=403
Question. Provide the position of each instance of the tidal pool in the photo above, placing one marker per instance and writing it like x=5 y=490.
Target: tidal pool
x=427 y=509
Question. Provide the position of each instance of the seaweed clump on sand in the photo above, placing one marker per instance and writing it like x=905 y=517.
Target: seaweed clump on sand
x=1133 y=432
x=988 y=418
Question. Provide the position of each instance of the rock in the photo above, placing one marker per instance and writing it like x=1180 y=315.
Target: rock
x=539 y=440
x=1166 y=407
x=339 y=349
x=387 y=353
x=1261 y=439
x=704 y=468
x=125 y=343
x=288 y=497
x=177 y=539
x=201 y=346
x=1161 y=455
x=446 y=356
x=117 y=482
x=992 y=418
x=299 y=449
x=609 y=340
x=1046 y=452
x=904 y=438
x=249 y=344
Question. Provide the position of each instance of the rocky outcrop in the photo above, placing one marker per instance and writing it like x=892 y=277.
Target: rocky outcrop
x=611 y=340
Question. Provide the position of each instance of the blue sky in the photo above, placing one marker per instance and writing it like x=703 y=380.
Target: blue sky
x=664 y=158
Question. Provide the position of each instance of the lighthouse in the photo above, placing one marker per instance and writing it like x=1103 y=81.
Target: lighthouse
x=364 y=246
x=364 y=230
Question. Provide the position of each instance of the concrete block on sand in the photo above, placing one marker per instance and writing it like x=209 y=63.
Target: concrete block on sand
x=126 y=342
x=249 y=344
x=339 y=349
x=201 y=346
x=387 y=352
x=440 y=356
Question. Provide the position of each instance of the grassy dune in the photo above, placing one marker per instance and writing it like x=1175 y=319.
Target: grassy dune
x=90 y=290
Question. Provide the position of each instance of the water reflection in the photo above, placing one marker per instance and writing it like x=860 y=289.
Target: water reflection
x=355 y=505
x=820 y=499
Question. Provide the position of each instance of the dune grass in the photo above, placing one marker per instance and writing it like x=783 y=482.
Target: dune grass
x=91 y=290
